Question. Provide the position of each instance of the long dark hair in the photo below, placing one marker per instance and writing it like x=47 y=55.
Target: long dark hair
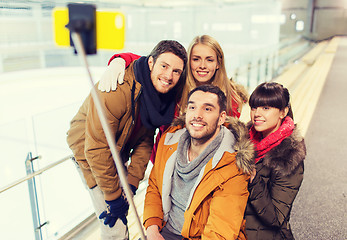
x=271 y=94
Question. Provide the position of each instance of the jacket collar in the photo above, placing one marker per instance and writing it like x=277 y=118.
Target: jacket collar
x=287 y=156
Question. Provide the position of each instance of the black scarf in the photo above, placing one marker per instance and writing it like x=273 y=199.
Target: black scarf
x=156 y=109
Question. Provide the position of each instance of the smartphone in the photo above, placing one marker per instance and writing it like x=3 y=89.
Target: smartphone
x=110 y=28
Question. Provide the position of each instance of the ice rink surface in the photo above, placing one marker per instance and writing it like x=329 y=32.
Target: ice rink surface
x=36 y=107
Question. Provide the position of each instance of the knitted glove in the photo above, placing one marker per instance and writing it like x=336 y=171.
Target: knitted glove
x=114 y=74
x=117 y=208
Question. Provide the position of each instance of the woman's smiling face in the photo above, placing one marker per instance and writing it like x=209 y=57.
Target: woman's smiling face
x=203 y=63
x=267 y=119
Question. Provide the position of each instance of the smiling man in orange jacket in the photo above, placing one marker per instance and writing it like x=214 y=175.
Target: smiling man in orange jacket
x=198 y=185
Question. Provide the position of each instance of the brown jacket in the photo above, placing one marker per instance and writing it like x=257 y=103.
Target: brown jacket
x=216 y=208
x=88 y=143
x=274 y=188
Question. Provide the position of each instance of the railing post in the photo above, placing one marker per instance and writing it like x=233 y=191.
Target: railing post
x=249 y=69
x=33 y=197
x=259 y=71
x=274 y=72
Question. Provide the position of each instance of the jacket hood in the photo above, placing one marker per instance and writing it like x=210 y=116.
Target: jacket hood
x=287 y=156
x=243 y=147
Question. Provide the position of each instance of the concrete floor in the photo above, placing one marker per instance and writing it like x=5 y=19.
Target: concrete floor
x=320 y=209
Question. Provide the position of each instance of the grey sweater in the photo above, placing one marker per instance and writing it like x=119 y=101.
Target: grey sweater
x=184 y=177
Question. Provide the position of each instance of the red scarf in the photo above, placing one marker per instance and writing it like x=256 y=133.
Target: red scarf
x=264 y=145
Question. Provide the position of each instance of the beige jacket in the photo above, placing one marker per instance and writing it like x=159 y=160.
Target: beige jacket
x=88 y=143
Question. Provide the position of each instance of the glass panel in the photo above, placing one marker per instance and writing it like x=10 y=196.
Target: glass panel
x=14 y=144
x=16 y=218
x=64 y=200
x=14 y=203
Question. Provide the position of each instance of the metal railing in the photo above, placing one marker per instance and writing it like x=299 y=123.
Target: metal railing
x=34 y=173
x=34 y=201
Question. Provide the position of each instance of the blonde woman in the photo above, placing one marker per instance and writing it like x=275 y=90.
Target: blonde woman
x=206 y=65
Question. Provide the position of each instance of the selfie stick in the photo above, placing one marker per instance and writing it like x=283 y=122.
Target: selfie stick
x=76 y=37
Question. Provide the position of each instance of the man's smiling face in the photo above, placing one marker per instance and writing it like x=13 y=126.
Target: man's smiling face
x=166 y=71
x=203 y=116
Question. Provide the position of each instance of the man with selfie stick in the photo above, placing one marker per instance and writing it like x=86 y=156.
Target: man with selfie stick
x=132 y=113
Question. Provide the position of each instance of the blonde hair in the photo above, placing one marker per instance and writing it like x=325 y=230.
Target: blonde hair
x=220 y=78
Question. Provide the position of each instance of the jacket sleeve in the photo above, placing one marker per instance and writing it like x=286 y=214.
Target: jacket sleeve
x=235 y=109
x=139 y=159
x=153 y=210
x=242 y=93
x=227 y=208
x=97 y=151
x=273 y=204
x=75 y=135
x=128 y=57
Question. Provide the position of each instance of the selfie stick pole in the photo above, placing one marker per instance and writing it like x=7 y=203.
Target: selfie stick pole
x=76 y=37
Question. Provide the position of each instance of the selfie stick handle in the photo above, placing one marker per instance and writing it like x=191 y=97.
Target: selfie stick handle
x=76 y=37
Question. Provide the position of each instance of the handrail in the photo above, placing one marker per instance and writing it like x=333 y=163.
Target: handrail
x=266 y=59
x=19 y=181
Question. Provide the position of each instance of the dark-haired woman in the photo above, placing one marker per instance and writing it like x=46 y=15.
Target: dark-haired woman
x=279 y=163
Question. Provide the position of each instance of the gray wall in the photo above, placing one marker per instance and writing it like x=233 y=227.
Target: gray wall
x=329 y=19
x=322 y=18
